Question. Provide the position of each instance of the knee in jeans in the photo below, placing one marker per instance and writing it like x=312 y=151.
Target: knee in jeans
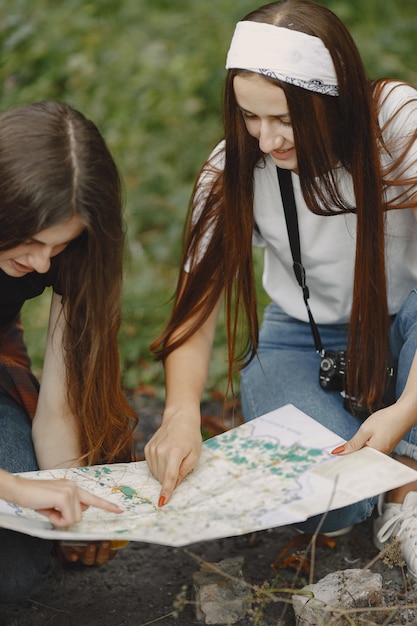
x=407 y=315
x=25 y=566
x=17 y=590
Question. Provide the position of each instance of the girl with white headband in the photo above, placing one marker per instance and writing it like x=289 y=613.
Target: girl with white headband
x=297 y=102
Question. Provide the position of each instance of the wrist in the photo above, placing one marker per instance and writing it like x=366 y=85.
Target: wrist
x=406 y=412
x=184 y=412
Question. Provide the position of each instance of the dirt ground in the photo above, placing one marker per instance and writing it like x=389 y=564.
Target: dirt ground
x=151 y=584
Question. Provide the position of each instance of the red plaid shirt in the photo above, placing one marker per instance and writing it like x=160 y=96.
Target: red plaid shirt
x=16 y=377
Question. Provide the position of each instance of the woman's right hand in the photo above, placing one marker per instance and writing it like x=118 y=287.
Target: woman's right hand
x=173 y=451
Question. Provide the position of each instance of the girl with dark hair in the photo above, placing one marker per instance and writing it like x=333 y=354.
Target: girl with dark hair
x=60 y=226
x=301 y=118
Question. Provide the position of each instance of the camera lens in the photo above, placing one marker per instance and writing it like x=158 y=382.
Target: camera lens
x=326 y=365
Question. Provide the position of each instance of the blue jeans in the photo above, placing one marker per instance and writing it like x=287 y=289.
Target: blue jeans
x=25 y=561
x=286 y=372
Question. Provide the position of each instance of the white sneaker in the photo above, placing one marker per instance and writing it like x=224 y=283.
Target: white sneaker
x=399 y=520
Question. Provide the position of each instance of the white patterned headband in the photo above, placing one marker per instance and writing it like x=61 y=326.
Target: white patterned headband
x=288 y=55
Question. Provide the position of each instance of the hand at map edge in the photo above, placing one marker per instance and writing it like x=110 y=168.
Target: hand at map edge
x=382 y=431
x=94 y=553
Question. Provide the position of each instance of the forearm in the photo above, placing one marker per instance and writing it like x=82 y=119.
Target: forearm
x=7 y=486
x=187 y=368
x=55 y=440
x=186 y=372
x=406 y=404
x=54 y=431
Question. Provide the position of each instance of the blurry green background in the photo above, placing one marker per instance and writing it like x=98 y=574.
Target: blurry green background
x=150 y=74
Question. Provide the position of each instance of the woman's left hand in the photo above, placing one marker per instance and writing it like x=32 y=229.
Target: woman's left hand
x=382 y=430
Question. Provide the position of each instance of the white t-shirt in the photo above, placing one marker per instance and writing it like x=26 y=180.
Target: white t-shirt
x=328 y=246
x=328 y=242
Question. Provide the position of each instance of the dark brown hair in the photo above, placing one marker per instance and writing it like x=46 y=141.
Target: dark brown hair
x=343 y=132
x=54 y=164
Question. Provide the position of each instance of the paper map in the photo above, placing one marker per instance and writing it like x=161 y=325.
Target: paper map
x=269 y=472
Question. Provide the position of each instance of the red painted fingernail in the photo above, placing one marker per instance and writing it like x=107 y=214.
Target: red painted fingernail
x=338 y=450
x=161 y=501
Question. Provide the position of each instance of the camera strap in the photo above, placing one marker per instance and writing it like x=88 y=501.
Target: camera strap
x=291 y=219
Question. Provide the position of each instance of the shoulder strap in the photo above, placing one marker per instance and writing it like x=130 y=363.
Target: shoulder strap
x=291 y=219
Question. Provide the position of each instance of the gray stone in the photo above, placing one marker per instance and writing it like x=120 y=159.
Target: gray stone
x=221 y=597
x=337 y=594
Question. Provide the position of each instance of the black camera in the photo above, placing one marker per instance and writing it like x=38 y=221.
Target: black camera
x=332 y=370
x=332 y=378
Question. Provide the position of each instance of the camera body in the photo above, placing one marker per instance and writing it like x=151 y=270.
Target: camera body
x=332 y=370
x=332 y=378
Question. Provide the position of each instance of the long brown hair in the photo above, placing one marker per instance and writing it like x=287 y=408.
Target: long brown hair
x=342 y=132
x=54 y=164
